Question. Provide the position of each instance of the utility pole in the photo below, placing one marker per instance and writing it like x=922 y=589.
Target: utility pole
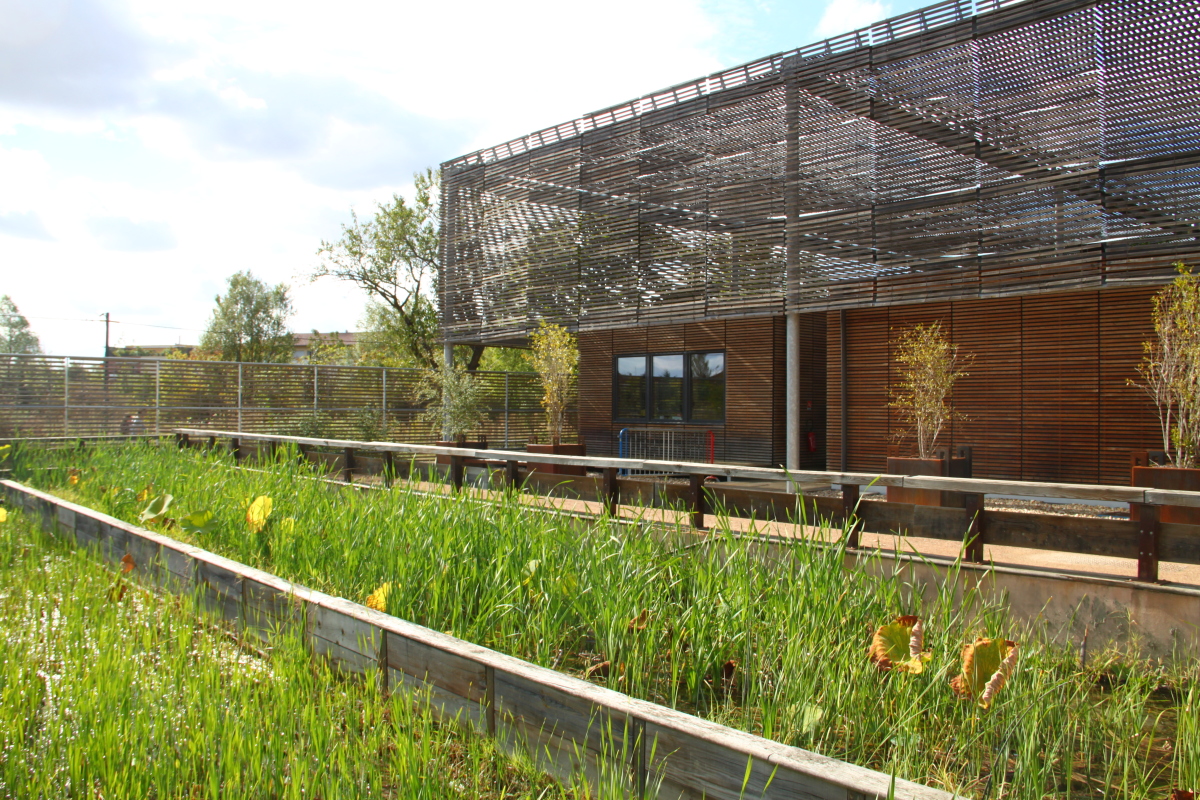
x=107 y=349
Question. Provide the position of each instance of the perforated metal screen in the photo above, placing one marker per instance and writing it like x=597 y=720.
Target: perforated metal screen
x=965 y=150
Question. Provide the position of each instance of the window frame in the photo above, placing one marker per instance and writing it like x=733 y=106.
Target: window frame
x=648 y=398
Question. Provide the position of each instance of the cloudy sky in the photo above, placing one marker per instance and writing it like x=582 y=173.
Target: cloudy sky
x=150 y=149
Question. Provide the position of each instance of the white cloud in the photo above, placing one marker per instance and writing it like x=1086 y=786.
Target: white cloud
x=122 y=233
x=843 y=16
x=25 y=224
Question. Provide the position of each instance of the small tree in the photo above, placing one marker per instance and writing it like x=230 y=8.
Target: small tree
x=555 y=357
x=250 y=322
x=455 y=401
x=929 y=367
x=1170 y=368
x=15 y=334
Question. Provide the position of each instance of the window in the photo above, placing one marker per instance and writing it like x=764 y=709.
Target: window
x=631 y=387
x=670 y=387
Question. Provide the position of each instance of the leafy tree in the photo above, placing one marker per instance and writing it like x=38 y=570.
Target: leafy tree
x=250 y=322
x=386 y=339
x=507 y=359
x=396 y=258
x=15 y=333
x=329 y=350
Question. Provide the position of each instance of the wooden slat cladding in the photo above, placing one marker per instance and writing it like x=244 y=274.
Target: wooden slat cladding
x=1060 y=387
x=1127 y=417
x=988 y=399
x=595 y=390
x=1046 y=397
x=752 y=431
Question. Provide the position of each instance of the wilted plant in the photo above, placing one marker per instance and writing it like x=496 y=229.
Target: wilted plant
x=900 y=646
x=1170 y=368
x=929 y=367
x=555 y=357
x=987 y=665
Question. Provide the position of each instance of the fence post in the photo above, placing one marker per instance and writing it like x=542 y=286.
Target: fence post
x=67 y=396
x=512 y=473
x=506 y=411
x=456 y=472
x=389 y=468
x=314 y=391
x=235 y=447
x=239 y=397
x=610 y=491
x=157 y=396
x=1148 y=529
x=348 y=465
x=849 y=513
x=696 y=488
x=976 y=527
x=383 y=406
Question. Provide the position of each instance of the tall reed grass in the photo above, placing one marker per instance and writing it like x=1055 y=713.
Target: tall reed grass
x=769 y=639
x=108 y=692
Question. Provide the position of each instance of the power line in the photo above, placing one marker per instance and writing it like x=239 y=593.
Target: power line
x=101 y=319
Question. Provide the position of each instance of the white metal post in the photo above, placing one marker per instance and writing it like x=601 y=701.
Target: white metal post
x=383 y=407
x=239 y=397
x=67 y=396
x=157 y=396
x=792 y=354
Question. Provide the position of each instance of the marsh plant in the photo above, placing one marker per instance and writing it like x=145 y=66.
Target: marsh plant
x=773 y=640
x=109 y=690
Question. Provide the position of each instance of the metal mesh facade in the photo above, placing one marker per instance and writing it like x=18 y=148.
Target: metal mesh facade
x=965 y=150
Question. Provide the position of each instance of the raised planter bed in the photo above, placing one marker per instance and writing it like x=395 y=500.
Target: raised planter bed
x=568 y=725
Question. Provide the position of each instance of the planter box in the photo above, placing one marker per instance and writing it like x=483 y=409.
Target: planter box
x=577 y=449
x=935 y=467
x=1187 y=480
x=470 y=462
x=943 y=466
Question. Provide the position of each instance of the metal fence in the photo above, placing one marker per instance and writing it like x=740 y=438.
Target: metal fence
x=68 y=396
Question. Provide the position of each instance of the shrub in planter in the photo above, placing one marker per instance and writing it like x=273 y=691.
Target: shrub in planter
x=929 y=366
x=555 y=357
x=1170 y=376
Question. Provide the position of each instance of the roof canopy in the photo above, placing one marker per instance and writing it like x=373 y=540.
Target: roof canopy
x=964 y=150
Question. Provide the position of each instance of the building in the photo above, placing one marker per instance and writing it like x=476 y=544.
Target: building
x=1025 y=172
x=302 y=342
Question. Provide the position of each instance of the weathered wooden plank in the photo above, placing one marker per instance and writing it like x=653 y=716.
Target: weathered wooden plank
x=463 y=677
x=542 y=710
x=219 y=589
x=344 y=638
x=269 y=611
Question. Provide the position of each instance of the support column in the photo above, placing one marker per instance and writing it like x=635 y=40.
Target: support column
x=791 y=205
x=792 y=355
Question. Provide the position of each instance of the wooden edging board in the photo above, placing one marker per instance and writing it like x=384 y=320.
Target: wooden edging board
x=568 y=724
x=1074 y=491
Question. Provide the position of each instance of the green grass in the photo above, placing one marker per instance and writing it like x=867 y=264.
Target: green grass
x=108 y=694
x=669 y=618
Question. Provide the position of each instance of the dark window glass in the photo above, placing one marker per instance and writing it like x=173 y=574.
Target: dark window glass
x=708 y=386
x=666 y=388
x=631 y=387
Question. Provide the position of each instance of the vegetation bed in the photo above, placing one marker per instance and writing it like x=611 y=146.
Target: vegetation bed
x=110 y=691
x=771 y=640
